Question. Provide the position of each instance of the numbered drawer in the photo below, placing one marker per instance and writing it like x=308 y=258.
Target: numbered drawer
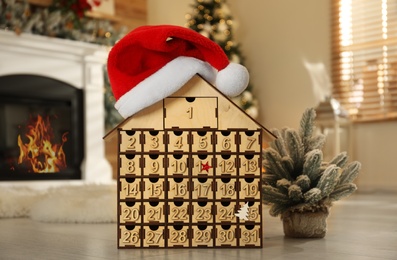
x=226 y=141
x=130 y=236
x=251 y=212
x=178 y=165
x=250 y=188
x=225 y=212
x=226 y=164
x=226 y=235
x=178 y=236
x=202 y=212
x=202 y=141
x=190 y=112
x=130 y=141
x=202 y=188
x=130 y=165
x=250 y=165
x=130 y=211
x=154 y=141
x=250 y=235
x=178 y=188
x=178 y=141
x=153 y=164
x=250 y=141
x=154 y=211
x=202 y=236
x=203 y=164
x=154 y=188
x=154 y=236
x=226 y=188
x=179 y=211
x=130 y=188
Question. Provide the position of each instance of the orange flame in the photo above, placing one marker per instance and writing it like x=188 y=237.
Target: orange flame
x=39 y=154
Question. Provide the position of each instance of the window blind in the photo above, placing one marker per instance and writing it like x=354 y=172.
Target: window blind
x=364 y=58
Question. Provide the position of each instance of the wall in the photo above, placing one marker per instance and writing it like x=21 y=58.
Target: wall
x=276 y=37
x=375 y=145
x=274 y=47
x=131 y=13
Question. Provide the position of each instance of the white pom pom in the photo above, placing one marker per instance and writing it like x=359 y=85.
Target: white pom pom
x=232 y=80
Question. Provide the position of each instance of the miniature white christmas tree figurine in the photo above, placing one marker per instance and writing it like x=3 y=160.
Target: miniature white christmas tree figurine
x=243 y=212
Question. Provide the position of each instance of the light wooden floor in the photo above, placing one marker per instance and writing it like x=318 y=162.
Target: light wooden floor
x=362 y=227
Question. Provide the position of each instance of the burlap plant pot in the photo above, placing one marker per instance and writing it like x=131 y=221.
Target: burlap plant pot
x=305 y=224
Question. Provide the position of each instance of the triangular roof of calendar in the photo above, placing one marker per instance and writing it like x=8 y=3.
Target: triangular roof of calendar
x=230 y=116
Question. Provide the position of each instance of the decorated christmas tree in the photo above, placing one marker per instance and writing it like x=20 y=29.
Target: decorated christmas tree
x=212 y=19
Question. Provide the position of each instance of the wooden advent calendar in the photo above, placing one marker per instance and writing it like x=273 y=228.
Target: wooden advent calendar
x=187 y=165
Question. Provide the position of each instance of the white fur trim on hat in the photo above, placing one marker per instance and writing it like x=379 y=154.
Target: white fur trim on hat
x=232 y=80
x=163 y=83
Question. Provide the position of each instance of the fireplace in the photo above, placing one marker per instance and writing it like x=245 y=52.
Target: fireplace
x=53 y=89
x=43 y=133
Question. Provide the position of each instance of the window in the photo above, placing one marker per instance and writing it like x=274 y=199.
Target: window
x=364 y=58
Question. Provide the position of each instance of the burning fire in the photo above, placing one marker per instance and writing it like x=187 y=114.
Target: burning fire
x=39 y=153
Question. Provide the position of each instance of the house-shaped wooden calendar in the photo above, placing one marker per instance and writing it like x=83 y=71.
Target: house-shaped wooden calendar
x=189 y=173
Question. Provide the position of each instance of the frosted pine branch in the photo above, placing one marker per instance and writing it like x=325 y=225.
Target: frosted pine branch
x=350 y=173
x=339 y=160
x=270 y=178
x=295 y=193
x=307 y=126
x=295 y=148
x=342 y=191
x=277 y=209
x=313 y=195
x=279 y=144
x=283 y=185
x=315 y=142
x=312 y=164
x=288 y=164
x=328 y=180
x=273 y=164
x=273 y=195
x=303 y=181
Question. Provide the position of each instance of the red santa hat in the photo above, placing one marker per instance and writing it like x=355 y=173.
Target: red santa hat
x=153 y=62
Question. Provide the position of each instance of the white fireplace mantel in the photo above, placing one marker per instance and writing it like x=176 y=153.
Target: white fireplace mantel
x=78 y=64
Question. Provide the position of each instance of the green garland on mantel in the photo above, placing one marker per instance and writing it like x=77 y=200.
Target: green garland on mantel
x=65 y=19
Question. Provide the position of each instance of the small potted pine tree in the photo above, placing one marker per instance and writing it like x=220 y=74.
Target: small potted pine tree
x=298 y=185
